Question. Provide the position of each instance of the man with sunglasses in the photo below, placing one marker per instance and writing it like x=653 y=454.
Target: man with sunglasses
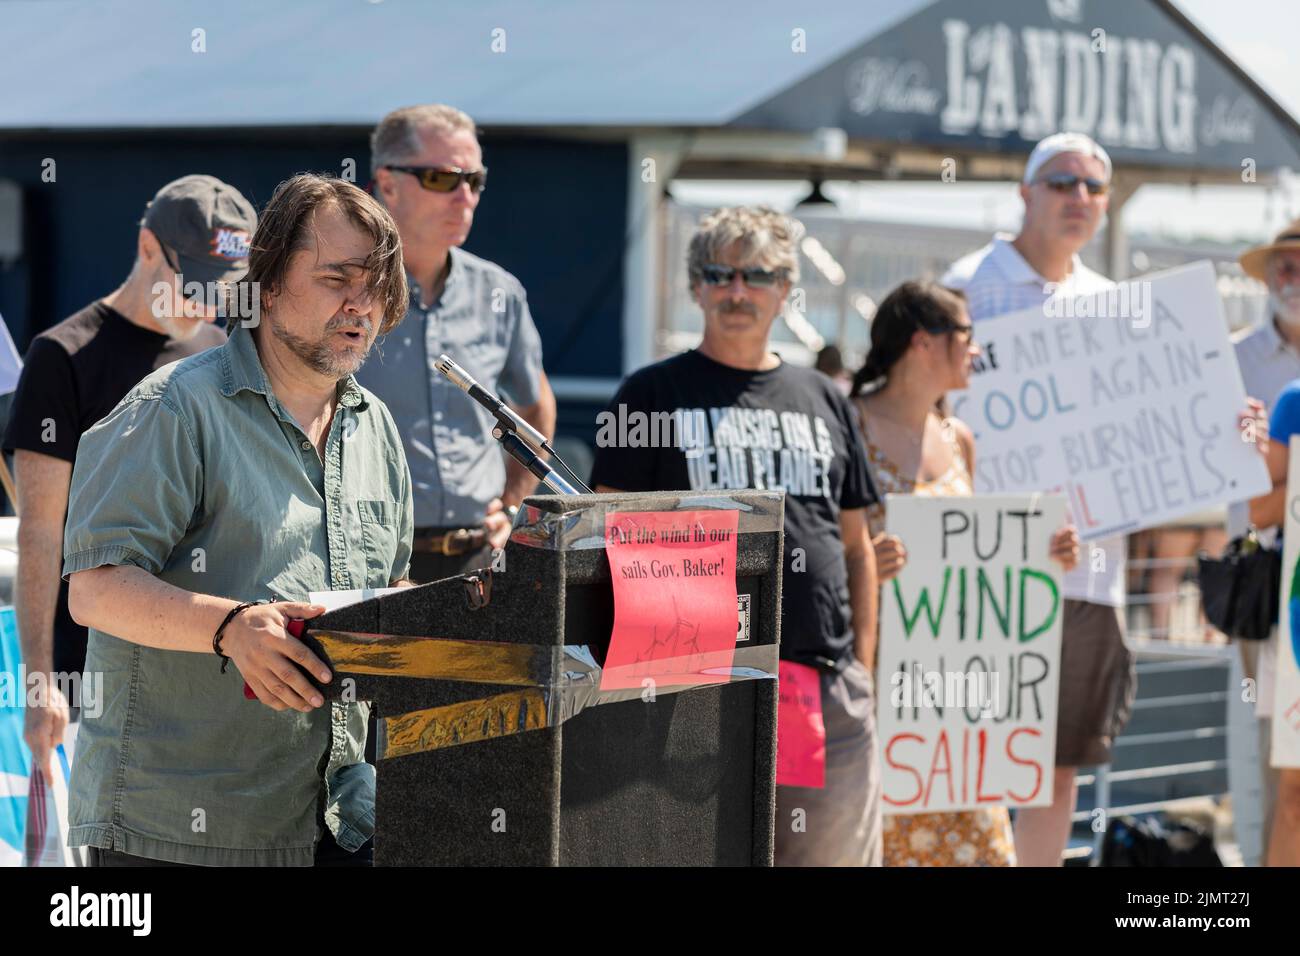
x=195 y=230
x=1065 y=191
x=768 y=424
x=428 y=170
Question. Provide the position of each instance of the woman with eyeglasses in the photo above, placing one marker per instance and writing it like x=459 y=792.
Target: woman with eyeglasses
x=921 y=349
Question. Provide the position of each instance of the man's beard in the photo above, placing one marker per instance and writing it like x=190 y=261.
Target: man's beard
x=179 y=330
x=1285 y=304
x=318 y=355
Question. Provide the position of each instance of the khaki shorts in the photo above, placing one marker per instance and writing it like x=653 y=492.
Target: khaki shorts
x=1098 y=684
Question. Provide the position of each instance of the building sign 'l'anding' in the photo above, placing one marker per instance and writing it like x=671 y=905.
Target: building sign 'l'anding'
x=997 y=79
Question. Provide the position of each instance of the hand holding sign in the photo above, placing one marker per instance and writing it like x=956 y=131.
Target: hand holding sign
x=1065 y=547
x=891 y=555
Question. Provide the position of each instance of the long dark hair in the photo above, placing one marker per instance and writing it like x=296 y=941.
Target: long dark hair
x=916 y=304
x=282 y=229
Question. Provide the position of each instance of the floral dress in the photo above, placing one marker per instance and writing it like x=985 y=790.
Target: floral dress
x=970 y=837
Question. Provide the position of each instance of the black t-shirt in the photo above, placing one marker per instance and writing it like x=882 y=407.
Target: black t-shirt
x=786 y=429
x=73 y=375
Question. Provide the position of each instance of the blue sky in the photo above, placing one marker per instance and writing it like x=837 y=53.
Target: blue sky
x=1252 y=31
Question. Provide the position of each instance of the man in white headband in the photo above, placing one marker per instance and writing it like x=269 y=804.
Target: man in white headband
x=1062 y=144
x=1065 y=190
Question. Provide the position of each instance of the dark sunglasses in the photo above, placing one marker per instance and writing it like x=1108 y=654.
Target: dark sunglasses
x=754 y=278
x=1068 y=183
x=444 y=180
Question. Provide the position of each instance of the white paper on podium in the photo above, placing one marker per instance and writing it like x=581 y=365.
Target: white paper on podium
x=333 y=600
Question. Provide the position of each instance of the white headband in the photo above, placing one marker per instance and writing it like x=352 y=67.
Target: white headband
x=1059 y=143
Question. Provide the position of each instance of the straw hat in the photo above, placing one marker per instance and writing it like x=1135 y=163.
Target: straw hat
x=1254 y=261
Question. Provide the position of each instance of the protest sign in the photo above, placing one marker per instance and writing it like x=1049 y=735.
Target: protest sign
x=970 y=652
x=800 y=728
x=674 y=579
x=1286 y=671
x=1126 y=401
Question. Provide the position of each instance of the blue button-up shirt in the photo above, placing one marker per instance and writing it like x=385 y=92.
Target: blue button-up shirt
x=482 y=321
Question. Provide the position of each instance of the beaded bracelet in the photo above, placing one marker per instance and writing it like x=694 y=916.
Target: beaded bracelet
x=216 y=638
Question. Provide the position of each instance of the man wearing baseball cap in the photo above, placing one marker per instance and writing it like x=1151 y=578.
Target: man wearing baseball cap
x=193 y=237
x=1064 y=189
x=204 y=227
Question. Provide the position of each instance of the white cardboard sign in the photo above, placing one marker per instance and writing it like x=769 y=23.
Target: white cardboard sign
x=970 y=653
x=1126 y=401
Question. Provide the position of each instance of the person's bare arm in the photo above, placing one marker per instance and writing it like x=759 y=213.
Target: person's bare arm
x=42 y=489
x=134 y=605
x=43 y=483
x=860 y=557
x=1270 y=509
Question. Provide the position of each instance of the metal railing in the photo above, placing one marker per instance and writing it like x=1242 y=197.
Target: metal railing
x=1174 y=747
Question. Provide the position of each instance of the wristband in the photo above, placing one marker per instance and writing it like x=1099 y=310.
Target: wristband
x=216 y=638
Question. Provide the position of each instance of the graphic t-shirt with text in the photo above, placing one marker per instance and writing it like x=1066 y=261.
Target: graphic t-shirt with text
x=691 y=424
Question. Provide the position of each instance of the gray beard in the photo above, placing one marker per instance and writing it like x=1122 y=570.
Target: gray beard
x=173 y=330
x=1283 y=314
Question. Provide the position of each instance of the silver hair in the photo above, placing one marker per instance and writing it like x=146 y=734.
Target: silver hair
x=763 y=236
x=397 y=137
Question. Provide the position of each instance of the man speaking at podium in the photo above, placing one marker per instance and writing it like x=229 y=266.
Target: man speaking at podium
x=762 y=423
x=254 y=472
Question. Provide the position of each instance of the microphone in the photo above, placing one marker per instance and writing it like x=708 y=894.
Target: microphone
x=521 y=441
x=499 y=409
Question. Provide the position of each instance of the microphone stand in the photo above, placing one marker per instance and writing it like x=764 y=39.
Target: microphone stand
x=520 y=451
x=524 y=450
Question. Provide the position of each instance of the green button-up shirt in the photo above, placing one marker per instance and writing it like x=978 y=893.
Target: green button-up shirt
x=201 y=477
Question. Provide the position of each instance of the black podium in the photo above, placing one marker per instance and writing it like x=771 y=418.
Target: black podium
x=497 y=746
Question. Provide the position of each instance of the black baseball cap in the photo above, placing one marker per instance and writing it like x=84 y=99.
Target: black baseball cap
x=207 y=223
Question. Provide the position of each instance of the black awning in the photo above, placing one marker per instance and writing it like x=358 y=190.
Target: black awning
x=998 y=75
